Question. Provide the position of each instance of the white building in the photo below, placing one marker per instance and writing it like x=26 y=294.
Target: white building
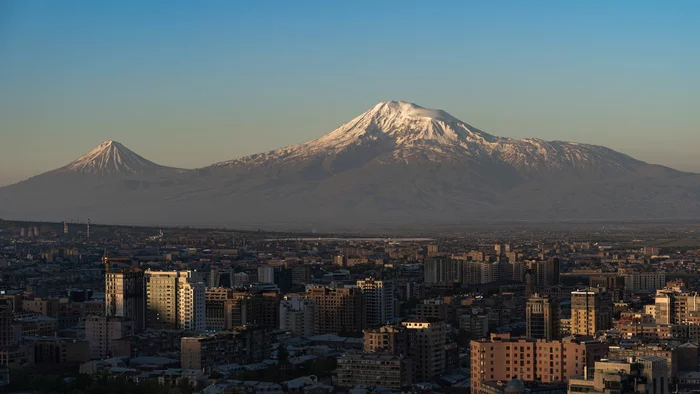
x=297 y=315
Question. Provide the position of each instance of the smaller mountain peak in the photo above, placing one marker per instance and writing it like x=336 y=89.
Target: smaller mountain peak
x=110 y=157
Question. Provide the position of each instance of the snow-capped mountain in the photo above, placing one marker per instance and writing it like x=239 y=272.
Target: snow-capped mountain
x=111 y=157
x=408 y=131
x=396 y=165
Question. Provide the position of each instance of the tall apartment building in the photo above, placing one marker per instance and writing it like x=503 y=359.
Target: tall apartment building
x=101 y=331
x=297 y=315
x=175 y=299
x=675 y=307
x=475 y=324
x=591 y=311
x=427 y=348
x=542 y=318
x=502 y=358
x=6 y=332
x=392 y=340
x=546 y=272
x=125 y=296
x=379 y=300
x=338 y=310
x=442 y=270
x=252 y=307
x=301 y=274
x=191 y=304
x=215 y=299
x=278 y=275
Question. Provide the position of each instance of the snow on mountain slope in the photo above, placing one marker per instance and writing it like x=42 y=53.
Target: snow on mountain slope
x=111 y=157
x=405 y=130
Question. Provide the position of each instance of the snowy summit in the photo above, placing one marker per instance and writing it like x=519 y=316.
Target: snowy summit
x=111 y=157
x=405 y=130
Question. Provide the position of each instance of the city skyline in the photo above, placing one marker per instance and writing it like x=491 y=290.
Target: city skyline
x=195 y=85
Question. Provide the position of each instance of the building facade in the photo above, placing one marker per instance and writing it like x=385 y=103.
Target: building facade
x=125 y=296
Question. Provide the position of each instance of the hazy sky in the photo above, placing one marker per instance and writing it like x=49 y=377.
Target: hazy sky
x=190 y=83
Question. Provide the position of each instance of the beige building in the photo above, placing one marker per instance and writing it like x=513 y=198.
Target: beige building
x=338 y=310
x=427 y=348
x=387 y=339
x=100 y=331
x=675 y=307
x=502 y=358
x=175 y=299
x=591 y=311
x=125 y=296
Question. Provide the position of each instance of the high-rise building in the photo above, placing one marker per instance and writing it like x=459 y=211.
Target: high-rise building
x=125 y=296
x=175 y=299
x=252 y=306
x=338 y=310
x=100 y=331
x=215 y=299
x=442 y=270
x=379 y=300
x=266 y=274
x=297 y=315
x=191 y=304
x=427 y=348
x=278 y=275
x=301 y=274
x=591 y=311
x=542 y=318
x=6 y=333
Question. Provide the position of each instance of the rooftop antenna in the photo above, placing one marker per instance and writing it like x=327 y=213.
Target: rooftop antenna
x=88 y=229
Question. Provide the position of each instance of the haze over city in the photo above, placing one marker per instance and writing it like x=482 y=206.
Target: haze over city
x=187 y=85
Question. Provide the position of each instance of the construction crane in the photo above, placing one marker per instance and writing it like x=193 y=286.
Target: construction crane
x=107 y=260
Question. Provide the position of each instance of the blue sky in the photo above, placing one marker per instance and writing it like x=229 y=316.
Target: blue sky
x=188 y=83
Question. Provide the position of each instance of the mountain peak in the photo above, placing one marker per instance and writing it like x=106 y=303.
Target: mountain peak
x=406 y=124
x=411 y=110
x=110 y=157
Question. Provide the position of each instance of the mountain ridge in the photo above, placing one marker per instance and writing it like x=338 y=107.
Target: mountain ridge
x=396 y=163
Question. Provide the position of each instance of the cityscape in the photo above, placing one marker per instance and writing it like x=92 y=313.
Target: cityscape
x=222 y=311
x=366 y=197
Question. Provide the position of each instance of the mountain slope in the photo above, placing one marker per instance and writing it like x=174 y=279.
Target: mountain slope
x=398 y=164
